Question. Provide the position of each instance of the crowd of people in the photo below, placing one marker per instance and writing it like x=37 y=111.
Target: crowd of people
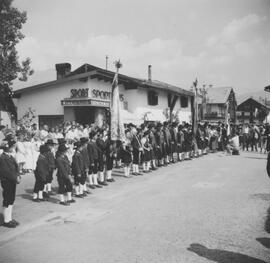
x=81 y=157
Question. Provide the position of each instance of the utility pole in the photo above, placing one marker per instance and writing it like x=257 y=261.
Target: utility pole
x=107 y=58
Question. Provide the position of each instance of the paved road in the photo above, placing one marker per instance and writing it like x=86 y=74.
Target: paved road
x=212 y=209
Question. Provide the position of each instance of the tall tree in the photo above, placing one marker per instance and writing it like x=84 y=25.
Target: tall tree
x=11 y=22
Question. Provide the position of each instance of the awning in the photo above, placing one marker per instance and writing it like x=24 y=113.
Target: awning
x=150 y=114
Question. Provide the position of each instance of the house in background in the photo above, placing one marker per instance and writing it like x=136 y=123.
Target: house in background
x=253 y=110
x=220 y=103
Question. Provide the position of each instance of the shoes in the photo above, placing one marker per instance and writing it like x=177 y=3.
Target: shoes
x=103 y=183
x=42 y=200
x=139 y=174
x=10 y=224
x=110 y=180
x=127 y=176
x=64 y=203
x=98 y=186
x=71 y=201
x=45 y=195
x=91 y=186
x=15 y=222
x=36 y=200
x=79 y=196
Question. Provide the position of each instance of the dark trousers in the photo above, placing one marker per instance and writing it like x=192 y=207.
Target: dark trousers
x=109 y=163
x=9 y=192
x=50 y=177
x=64 y=185
x=136 y=154
x=39 y=184
x=94 y=169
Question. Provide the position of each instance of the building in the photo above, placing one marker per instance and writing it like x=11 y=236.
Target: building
x=252 y=110
x=220 y=103
x=83 y=95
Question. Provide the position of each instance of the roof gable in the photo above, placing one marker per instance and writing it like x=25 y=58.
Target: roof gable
x=218 y=95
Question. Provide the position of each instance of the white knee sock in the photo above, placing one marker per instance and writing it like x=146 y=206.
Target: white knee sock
x=137 y=168
x=109 y=174
x=84 y=187
x=77 y=190
x=148 y=166
x=125 y=171
x=69 y=196
x=6 y=214
x=62 y=199
x=45 y=188
x=81 y=189
x=49 y=187
x=40 y=194
x=90 y=178
x=95 y=179
x=128 y=170
x=35 y=195
x=144 y=166
x=134 y=168
x=101 y=177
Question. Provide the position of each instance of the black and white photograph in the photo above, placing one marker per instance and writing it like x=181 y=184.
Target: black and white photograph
x=135 y=131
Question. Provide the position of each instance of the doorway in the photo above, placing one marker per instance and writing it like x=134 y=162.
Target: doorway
x=84 y=115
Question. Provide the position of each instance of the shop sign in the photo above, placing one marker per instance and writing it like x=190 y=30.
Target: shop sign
x=104 y=95
x=89 y=102
x=79 y=93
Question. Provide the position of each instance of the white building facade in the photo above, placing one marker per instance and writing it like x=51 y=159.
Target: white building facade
x=84 y=96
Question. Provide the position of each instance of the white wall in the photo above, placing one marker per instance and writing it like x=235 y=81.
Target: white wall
x=47 y=100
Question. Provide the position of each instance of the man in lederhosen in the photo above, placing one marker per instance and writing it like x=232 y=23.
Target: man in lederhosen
x=86 y=163
x=160 y=145
x=9 y=177
x=136 y=150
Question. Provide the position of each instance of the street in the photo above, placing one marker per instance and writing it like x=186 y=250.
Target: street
x=212 y=209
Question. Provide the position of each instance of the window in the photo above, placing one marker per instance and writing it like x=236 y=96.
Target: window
x=152 y=98
x=184 y=101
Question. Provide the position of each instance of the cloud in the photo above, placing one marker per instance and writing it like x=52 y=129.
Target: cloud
x=224 y=59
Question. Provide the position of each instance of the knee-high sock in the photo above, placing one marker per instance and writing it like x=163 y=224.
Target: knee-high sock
x=77 y=190
x=45 y=188
x=128 y=170
x=125 y=171
x=134 y=168
x=101 y=177
x=84 y=187
x=10 y=212
x=109 y=174
x=144 y=166
x=95 y=179
x=6 y=214
x=49 y=187
x=69 y=196
x=137 y=168
x=90 y=178
x=61 y=197
x=35 y=195
x=40 y=194
x=81 y=188
x=148 y=166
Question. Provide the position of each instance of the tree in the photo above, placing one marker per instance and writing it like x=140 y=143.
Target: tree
x=11 y=22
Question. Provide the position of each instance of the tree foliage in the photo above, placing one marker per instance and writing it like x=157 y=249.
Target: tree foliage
x=11 y=22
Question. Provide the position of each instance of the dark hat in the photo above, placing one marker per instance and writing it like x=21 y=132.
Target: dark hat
x=50 y=142
x=83 y=140
x=61 y=141
x=165 y=123
x=159 y=124
x=62 y=148
x=92 y=134
x=7 y=143
x=43 y=148
x=77 y=144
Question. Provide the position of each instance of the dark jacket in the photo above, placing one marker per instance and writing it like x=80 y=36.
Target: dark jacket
x=9 y=169
x=135 y=143
x=51 y=160
x=101 y=145
x=77 y=165
x=63 y=167
x=85 y=156
x=92 y=152
x=42 y=168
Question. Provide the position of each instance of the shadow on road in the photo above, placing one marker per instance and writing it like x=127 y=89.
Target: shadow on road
x=264 y=241
x=257 y=158
x=264 y=197
x=222 y=256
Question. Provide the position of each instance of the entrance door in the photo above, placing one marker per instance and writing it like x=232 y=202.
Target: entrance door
x=84 y=115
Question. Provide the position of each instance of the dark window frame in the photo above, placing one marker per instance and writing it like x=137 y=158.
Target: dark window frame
x=152 y=98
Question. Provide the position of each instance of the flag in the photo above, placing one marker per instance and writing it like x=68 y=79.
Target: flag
x=227 y=119
x=117 y=126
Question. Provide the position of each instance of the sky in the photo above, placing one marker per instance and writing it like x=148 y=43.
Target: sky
x=219 y=42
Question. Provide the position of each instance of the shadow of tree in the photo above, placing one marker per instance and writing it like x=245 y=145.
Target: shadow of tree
x=264 y=241
x=222 y=256
x=29 y=196
x=262 y=196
